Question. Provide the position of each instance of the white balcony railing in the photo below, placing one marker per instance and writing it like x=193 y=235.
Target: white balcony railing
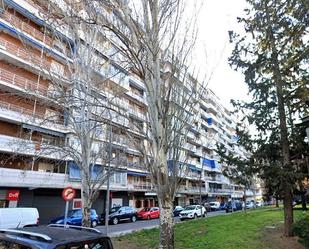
x=22 y=82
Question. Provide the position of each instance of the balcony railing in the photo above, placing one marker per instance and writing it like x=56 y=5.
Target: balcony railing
x=23 y=53
x=20 y=24
x=220 y=190
x=137 y=97
x=27 y=112
x=190 y=147
x=140 y=186
x=34 y=59
x=140 y=115
x=189 y=189
x=136 y=165
x=22 y=82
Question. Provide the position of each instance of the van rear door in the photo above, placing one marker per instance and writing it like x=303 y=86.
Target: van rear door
x=10 y=218
x=30 y=216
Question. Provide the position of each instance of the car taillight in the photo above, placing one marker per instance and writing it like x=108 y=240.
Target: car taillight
x=37 y=221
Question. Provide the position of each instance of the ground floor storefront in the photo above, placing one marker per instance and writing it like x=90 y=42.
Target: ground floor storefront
x=50 y=204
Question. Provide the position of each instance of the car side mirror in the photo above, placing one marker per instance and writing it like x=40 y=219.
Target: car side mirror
x=119 y=211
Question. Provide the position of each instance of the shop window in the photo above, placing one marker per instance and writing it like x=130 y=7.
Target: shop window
x=4 y=203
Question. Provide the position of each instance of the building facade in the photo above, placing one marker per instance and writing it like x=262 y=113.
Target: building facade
x=31 y=59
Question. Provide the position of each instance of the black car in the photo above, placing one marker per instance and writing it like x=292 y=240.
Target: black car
x=54 y=236
x=117 y=214
x=177 y=210
x=233 y=206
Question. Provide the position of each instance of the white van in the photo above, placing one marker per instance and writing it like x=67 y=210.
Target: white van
x=18 y=217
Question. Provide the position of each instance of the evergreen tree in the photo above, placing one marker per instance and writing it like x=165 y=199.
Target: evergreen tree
x=273 y=55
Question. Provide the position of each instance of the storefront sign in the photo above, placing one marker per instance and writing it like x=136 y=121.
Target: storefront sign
x=77 y=203
x=12 y=195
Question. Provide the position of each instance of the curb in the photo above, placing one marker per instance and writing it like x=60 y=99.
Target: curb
x=118 y=234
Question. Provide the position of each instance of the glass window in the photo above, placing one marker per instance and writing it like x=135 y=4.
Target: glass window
x=11 y=245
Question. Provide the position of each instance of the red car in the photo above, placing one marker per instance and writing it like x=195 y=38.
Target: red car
x=149 y=213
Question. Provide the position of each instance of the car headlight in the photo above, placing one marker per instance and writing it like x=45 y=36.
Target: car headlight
x=59 y=221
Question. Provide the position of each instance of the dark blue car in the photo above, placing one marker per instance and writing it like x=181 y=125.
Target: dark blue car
x=75 y=218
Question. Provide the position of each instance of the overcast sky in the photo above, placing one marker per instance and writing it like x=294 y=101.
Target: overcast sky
x=215 y=19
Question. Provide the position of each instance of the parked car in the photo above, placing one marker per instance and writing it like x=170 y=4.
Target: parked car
x=207 y=206
x=54 y=236
x=117 y=214
x=177 y=210
x=75 y=218
x=18 y=217
x=250 y=204
x=233 y=206
x=259 y=204
x=149 y=213
x=222 y=206
x=192 y=212
x=214 y=205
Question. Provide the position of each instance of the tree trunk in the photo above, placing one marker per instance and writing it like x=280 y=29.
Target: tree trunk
x=166 y=225
x=303 y=200
x=86 y=205
x=245 y=200
x=284 y=140
x=277 y=202
x=288 y=211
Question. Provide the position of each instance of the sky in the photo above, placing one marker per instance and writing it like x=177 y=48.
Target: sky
x=216 y=18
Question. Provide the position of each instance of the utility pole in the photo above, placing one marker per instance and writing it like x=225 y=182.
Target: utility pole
x=108 y=177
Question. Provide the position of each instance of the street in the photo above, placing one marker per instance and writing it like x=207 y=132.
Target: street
x=128 y=227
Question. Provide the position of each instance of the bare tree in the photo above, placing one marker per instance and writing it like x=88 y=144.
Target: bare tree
x=78 y=99
x=157 y=49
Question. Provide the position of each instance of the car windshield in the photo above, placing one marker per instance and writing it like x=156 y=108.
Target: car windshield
x=114 y=209
x=75 y=213
x=145 y=209
x=189 y=207
x=87 y=245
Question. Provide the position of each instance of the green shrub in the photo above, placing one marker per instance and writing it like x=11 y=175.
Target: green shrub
x=301 y=229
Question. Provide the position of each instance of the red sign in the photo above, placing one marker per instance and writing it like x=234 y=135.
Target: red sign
x=68 y=194
x=77 y=203
x=12 y=195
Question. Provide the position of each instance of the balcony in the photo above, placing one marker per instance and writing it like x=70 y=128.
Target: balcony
x=140 y=186
x=220 y=190
x=35 y=61
x=190 y=189
x=22 y=82
x=136 y=165
x=22 y=115
x=38 y=179
x=28 y=147
x=20 y=24
x=34 y=179
x=190 y=147
x=137 y=97
x=137 y=114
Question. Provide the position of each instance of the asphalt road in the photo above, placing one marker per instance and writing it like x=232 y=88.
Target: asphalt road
x=129 y=227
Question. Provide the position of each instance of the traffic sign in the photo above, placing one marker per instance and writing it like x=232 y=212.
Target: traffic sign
x=68 y=194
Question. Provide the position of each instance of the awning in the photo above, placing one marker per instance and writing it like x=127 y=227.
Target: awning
x=210 y=163
x=133 y=173
x=43 y=130
x=74 y=171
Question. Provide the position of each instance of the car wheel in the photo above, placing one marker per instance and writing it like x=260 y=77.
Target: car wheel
x=148 y=217
x=115 y=221
x=94 y=223
x=133 y=219
x=181 y=219
x=195 y=216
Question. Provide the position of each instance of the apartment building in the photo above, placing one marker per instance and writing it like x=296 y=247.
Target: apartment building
x=30 y=61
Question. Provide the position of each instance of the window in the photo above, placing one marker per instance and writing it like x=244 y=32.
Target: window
x=102 y=244
x=11 y=245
